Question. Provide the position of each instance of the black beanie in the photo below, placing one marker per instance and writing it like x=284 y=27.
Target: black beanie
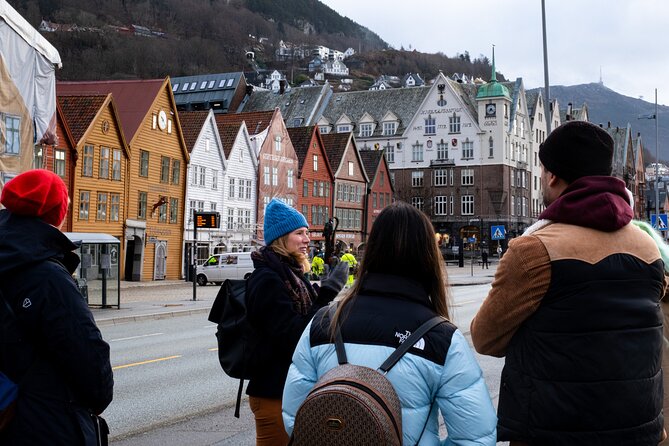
x=577 y=149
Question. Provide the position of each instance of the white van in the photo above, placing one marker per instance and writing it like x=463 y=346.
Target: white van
x=229 y=265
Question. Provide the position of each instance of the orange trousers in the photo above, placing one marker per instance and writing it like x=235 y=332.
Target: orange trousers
x=269 y=422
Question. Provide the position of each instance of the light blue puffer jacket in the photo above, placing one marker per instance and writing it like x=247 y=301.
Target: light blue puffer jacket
x=455 y=384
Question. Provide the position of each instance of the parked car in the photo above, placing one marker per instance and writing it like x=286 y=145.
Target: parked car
x=229 y=265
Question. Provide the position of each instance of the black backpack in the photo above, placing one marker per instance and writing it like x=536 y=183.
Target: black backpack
x=237 y=339
x=355 y=405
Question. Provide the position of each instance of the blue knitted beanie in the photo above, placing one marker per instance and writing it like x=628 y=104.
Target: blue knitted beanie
x=280 y=219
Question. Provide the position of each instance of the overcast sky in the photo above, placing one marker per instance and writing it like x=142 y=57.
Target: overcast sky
x=627 y=39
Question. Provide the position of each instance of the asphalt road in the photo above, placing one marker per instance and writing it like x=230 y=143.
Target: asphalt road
x=170 y=389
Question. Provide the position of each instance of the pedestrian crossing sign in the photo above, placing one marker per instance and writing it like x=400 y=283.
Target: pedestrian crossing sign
x=497 y=232
x=659 y=224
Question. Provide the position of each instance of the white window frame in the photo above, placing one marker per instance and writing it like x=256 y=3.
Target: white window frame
x=467 y=205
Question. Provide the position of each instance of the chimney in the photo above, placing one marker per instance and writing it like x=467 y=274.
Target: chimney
x=569 y=110
x=282 y=86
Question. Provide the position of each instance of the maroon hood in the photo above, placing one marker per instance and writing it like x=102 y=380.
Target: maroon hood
x=597 y=202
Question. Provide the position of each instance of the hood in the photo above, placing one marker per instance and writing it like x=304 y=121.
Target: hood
x=25 y=240
x=597 y=202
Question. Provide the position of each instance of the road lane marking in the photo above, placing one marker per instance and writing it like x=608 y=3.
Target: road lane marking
x=459 y=304
x=145 y=362
x=136 y=337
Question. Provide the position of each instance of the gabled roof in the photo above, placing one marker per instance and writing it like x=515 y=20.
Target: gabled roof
x=335 y=146
x=256 y=122
x=79 y=112
x=370 y=161
x=28 y=33
x=301 y=137
x=228 y=133
x=191 y=125
x=133 y=98
x=403 y=102
x=305 y=103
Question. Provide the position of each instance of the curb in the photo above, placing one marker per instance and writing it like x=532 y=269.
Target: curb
x=143 y=317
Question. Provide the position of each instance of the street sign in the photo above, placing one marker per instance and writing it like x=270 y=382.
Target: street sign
x=207 y=220
x=472 y=240
x=661 y=224
x=497 y=232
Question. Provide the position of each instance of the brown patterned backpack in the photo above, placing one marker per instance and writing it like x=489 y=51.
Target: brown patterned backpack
x=354 y=405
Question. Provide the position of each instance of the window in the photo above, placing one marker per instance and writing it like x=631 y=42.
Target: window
x=175 y=87
x=451 y=205
x=389 y=128
x=141 y=206
x=350 y=168
x=240 y=188
x=87 y=161
x=247 y=194
x=102 y=207
x=266 y=175
x=231 y=190
x=84 y=204
x=114 y=207
x=59 y=162
x=162 y=213
x=326 y=188
x=116 y=164
x=374 y=200
x=324 y=129
x=12 y=134
x=454 y=124
x=451 y=173
x=315 y=163
x=468 y=150
x=38 y=156
x=442 y=150
x=343 y=128
x=305 y=188
x=185 y=87
x=192 y=86
x=382 y=178
x=314 y=192
x=277 y=143
x=467 y=205
x=164 y=169
x=491 y=148
x=366 y=130
x=382 y=203
x=193 y=175
x=417 y=178
x=430 y=125
x=440 y=205
x=143 y=163
x=247 y=217
x=213 y=206
x=418 y=202
x=214 y=179
x=390 y=152
x=203 y=85
x=202 y=177
x=467 y=177
x=231 y=218
x=275 y=176
x=104 y=162
x=290 y=179
x=417 y=152
x=441 y=177
x=211 y=84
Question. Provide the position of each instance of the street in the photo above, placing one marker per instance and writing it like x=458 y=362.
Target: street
x=170 y=389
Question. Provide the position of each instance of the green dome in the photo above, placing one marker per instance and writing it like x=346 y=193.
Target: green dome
x=493 y=89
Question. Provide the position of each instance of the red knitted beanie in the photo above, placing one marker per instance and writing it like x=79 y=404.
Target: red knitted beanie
x=37 y=193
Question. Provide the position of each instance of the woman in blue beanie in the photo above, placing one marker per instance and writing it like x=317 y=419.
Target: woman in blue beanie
x=281 y=302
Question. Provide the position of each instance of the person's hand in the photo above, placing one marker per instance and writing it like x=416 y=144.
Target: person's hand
x=337 y=277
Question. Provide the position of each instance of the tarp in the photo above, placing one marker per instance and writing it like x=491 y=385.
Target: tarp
x=27 y=89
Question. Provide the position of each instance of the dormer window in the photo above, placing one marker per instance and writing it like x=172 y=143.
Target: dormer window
x=389 y=128
x=366 y=130
x=343 y=128
x=324 y=129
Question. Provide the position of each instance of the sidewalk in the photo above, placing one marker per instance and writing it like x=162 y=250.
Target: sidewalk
x=171 y=298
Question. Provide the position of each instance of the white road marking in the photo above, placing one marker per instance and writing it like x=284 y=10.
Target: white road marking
x=136 y=337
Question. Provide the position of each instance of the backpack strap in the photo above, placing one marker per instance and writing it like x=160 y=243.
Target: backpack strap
x=411 y=340
x=339 y=341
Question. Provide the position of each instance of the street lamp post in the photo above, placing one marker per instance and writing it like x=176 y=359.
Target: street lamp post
x=657 y=161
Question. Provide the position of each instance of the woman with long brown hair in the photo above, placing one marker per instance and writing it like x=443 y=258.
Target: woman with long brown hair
x=401 y=283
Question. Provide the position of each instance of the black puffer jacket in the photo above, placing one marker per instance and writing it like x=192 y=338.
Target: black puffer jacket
x=60 y=360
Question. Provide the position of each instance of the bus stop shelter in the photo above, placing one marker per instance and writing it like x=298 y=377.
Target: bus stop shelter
x=98 y=272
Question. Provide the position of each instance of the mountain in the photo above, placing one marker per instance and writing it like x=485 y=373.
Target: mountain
x=606 y=106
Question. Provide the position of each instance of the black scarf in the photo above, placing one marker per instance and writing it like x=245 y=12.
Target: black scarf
x=290 y=272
